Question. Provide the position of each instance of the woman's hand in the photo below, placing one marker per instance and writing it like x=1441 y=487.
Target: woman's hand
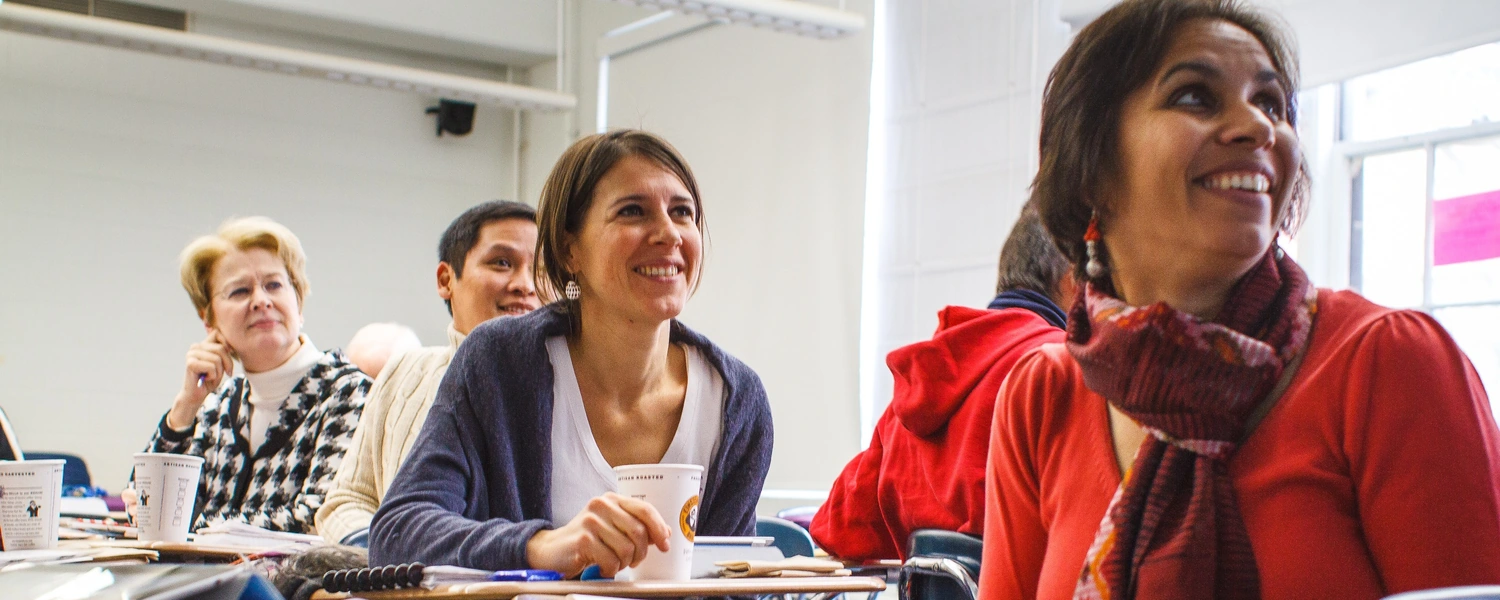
x=210 y=360
x=131 y=500
x=613 y=531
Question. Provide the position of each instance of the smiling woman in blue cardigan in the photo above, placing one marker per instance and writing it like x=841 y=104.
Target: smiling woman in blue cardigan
x=513 y=468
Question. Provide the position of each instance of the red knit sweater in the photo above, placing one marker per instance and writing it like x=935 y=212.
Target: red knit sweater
x=1377 y=472
x=925 y=465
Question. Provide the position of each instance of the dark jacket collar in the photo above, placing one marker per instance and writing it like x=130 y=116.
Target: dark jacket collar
x=1040 y=304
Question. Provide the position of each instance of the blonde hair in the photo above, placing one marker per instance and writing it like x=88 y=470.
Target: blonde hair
x=199 y=257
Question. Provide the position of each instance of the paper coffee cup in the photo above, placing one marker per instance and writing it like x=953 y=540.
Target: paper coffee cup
x=673 y=490
x=167 y=486
x=30 y=498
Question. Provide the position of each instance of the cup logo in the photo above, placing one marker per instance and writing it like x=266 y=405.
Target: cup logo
x=688 y=518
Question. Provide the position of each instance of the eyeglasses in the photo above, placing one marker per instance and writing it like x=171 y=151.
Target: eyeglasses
x=241 y=292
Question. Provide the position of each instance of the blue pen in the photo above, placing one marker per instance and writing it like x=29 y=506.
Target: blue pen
x=526 y=575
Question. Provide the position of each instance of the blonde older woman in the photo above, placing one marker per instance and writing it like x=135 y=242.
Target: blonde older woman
x=272 y=438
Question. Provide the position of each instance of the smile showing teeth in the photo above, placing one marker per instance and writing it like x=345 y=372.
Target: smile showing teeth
x=513 y=310
x=1254 y=182
x=666 y=271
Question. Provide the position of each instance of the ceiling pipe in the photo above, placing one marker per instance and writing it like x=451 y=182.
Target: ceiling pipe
x=274 y=59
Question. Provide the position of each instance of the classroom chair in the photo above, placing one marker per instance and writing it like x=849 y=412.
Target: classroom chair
x=359 y=538
x=786 y=536
x=792 y=540
x=75 y=471
x=76 y=480
x=941 y=565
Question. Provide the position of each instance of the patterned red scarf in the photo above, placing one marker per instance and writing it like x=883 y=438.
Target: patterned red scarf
x=1173 y=529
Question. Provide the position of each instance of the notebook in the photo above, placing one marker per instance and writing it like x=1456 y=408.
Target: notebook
x=417 y=574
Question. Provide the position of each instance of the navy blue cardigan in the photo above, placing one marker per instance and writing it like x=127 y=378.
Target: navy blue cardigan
x=477 y=484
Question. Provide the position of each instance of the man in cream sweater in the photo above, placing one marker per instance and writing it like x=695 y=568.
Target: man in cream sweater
x=484 y=271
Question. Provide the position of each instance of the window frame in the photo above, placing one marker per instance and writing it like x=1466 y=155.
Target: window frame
x=1352 y=154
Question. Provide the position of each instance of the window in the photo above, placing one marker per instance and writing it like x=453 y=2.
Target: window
x=1454 y=90
x=1425 y=191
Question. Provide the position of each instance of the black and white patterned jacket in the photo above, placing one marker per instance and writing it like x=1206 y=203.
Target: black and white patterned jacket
x=281 y=485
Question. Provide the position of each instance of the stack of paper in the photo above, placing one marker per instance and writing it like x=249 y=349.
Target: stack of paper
x=20 y=559
x=102 y=527
x=43 y=557
x=230 y=533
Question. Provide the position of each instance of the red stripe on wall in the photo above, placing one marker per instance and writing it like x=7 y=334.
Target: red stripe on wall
x=1466 y=228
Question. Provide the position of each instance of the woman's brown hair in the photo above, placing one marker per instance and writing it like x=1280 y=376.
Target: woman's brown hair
x=1085 y=96
x=569 y=192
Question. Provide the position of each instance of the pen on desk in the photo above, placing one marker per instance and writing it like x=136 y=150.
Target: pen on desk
x=526 y=575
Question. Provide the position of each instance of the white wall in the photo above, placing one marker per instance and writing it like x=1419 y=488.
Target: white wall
x=963 y=99
x=111 y=161
x=774 y=127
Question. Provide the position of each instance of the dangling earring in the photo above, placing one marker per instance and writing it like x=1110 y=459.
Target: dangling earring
x=1094 y=268
x=1276 y=243
x=572 y=291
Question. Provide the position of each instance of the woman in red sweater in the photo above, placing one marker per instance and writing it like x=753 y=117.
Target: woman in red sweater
x=1214 y=425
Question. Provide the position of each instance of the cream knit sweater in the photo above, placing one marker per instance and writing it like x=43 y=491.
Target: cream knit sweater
x=393 y=416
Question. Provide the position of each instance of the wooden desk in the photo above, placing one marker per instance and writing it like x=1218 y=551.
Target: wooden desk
x=568 y=597
x=178 y=551
x=544 y=597
x=631 y=589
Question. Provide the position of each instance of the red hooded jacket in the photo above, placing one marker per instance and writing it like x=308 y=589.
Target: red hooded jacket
x=925 y=466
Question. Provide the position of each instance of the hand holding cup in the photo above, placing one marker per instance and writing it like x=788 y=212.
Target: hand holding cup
x=612 y=531
x=131 y=500
x=672 y=490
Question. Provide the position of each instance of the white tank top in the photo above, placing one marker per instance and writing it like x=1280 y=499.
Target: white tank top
x=579 y=471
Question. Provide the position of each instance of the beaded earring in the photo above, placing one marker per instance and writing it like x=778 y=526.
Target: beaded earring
x=1094 y=268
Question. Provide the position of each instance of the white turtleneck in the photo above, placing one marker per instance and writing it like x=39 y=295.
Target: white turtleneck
x=270 y=389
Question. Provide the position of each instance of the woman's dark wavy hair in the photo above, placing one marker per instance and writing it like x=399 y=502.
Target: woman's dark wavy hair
x=1085 y=97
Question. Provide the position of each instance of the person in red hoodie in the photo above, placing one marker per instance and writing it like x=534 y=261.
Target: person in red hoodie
x=925 y=465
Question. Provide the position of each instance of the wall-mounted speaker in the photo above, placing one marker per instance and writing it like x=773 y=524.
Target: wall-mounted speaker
x=453 y=116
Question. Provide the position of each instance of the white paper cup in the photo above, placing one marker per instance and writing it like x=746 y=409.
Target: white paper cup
x=673 y=490
x=167 y=486
x=30 y=493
